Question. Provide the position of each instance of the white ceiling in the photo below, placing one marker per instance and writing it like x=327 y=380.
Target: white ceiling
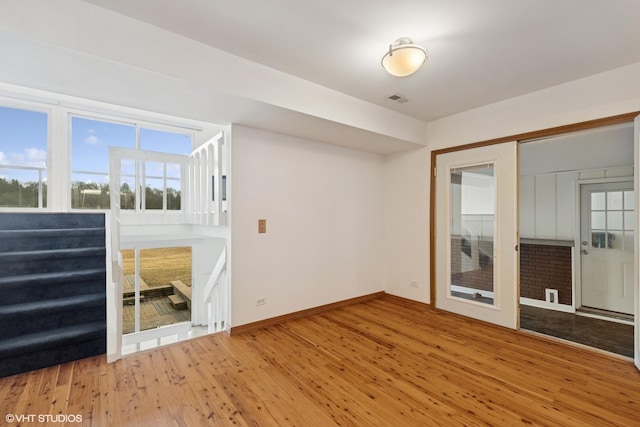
x=480 y=52
x=608 y=146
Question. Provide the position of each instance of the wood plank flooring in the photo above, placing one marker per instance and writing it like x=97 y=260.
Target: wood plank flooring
x=597 y=333
x=385 y=362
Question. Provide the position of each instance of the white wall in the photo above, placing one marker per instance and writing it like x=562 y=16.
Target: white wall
x=323 y=206
x=603 y=95
x=548 y=201
x=406 y=203
x=549 y=170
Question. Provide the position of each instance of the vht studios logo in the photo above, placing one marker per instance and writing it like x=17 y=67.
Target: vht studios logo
x=42 y=418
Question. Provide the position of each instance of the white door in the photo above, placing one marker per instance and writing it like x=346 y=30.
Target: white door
x=476 y=233
x=607 y=243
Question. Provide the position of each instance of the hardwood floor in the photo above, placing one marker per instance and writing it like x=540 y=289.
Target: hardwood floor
x=385 y=362
x=605 y=335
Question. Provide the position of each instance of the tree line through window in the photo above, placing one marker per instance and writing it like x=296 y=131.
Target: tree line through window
x=23 y=155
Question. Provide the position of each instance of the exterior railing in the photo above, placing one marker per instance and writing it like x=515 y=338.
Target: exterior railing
x=215 y=295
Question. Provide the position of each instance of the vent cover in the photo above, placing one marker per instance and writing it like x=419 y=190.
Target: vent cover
x=396 y=97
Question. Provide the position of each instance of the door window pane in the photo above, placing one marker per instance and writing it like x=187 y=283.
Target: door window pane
x=629 y=200
x=598 y=201
x=628 y=241
x=472 y=232
x=614 y=220
x=629 y=221
x=614 y=200
x=598 y=220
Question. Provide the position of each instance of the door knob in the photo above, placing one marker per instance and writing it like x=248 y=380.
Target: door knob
x=584 y=251
x=584 y=242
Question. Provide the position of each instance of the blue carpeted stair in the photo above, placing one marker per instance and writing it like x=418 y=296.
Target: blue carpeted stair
x=52 y=289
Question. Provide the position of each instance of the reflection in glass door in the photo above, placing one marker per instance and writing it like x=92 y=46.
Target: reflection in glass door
x=472 y=231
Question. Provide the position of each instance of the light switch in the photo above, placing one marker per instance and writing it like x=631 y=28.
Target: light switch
x=262 y=226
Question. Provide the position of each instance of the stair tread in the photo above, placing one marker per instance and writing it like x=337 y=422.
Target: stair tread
x=73 y=274
x=45 y=339
x=47 y=220
x=51 y=253
x=53 y=231
x=52 y=305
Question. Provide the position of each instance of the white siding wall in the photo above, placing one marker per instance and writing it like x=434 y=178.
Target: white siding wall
x=548 y=201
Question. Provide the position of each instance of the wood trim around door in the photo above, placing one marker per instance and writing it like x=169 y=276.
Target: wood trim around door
x=549 y=132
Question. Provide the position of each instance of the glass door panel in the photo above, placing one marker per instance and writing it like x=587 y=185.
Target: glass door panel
x=472 y=230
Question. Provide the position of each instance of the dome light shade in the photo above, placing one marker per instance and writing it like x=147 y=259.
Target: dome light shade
x=403 y=58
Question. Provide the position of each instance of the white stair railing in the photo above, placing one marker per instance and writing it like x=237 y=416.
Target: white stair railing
x=215 y=295
x=114 y=307
x=206 y=181
x=203 y=203
x=156 y=337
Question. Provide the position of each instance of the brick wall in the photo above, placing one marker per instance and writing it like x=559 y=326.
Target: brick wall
x=545 y=266
x=480 y=278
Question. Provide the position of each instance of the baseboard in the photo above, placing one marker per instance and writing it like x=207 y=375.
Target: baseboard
x=303 y=313
x=548 y=305
x=418 y=305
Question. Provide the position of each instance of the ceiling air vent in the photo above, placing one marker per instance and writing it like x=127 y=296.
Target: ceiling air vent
x=397 y=98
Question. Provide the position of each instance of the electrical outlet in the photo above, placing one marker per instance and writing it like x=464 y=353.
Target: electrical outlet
x=261 y=301
x=413 y=283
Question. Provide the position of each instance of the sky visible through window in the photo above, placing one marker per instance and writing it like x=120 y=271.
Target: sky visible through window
x=91 y=140
x=23 y=142
x=24 y=139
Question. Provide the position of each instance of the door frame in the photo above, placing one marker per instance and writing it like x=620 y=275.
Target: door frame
x=543 y=133
x=577 y=285
x=520 y=137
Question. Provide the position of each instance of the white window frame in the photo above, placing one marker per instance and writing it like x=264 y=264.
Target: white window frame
x=19 y=104
x=121 y=120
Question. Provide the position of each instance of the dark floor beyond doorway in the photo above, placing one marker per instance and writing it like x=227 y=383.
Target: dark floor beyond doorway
x=602 y=334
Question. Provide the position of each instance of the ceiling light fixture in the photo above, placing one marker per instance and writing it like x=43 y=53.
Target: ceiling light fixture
x=404 y=58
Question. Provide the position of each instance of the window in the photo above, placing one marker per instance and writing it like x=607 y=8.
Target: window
x=612 y=219
x=23 y=157
x=163 y=179
x=90 y=142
